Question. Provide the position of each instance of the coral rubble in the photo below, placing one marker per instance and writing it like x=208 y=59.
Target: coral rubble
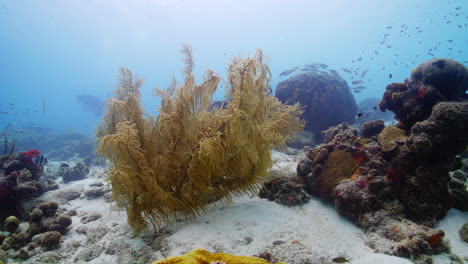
x=284 y=191
x=394 y=182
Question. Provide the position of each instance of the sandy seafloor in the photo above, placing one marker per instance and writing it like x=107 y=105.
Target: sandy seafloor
x=313 y=233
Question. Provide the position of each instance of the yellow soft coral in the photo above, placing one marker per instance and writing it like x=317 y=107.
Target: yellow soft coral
x=201 y=256
x=192 y=154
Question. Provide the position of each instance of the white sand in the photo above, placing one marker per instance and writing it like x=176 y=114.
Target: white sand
x=248 y=227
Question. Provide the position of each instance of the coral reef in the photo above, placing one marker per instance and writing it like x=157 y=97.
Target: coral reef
x=326 y=97
x=394 y=184
x=201 y=256
x=284 y=191
x=19 y=179
x=189 y=155
x=431 y=82
x=45 y=231
x=76 y=173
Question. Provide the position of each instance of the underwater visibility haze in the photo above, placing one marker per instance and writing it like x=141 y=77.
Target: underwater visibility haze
x=260 y=131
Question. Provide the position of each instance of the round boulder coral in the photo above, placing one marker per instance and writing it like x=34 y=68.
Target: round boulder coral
x=51 y=240
x=449 y=77
x=326 y=97
x=11 y=224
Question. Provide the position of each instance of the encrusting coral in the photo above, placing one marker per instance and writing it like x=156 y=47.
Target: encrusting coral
x=201 y=256
x=192 y=153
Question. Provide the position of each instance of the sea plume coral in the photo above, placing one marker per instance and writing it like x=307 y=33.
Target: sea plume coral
x=191 y=154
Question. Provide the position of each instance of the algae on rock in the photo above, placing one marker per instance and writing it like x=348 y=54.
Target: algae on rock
x=192 y=154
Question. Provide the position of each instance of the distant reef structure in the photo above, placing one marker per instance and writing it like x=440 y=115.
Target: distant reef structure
x=92 y=104
x=324 y=94
x=395 y=181
x=369 y=112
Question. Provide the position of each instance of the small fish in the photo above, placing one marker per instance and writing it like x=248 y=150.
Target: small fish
x=386 y=35
x=360 y=87
x=458 y=8
x=287 y=72
x=376 y=53
x=357 y=82
x=359 y=115
x=403 y=25
x=340 y=260
x=451 y=41
x=40 y=160
x=278 y=242
x=11 y=103
x=389 y=46
x=364 y=73
x=346 y=70
x=357 y=91
x=360 y=59
x=389 y=27
x=390 y=76
x=419 y=31
x=375 y=107
x=448 y=22
x=459 y=26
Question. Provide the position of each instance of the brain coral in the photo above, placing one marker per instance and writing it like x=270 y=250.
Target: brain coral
x=339 y=166
x=390 y=136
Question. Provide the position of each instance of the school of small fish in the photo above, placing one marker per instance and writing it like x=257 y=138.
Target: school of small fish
x=393 y=34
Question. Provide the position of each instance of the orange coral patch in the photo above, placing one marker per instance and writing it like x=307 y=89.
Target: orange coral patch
x=435 y=239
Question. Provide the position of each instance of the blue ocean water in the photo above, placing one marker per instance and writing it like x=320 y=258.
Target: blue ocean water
x=54 y=52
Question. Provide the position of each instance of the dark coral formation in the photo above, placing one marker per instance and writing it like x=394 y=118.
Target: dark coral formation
x=284 y=191
x=45 y=231
x=394 y=183
x=76 y=173
x=371 y=128
x=434 y=81
x=326 y=97
x=19 y=179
